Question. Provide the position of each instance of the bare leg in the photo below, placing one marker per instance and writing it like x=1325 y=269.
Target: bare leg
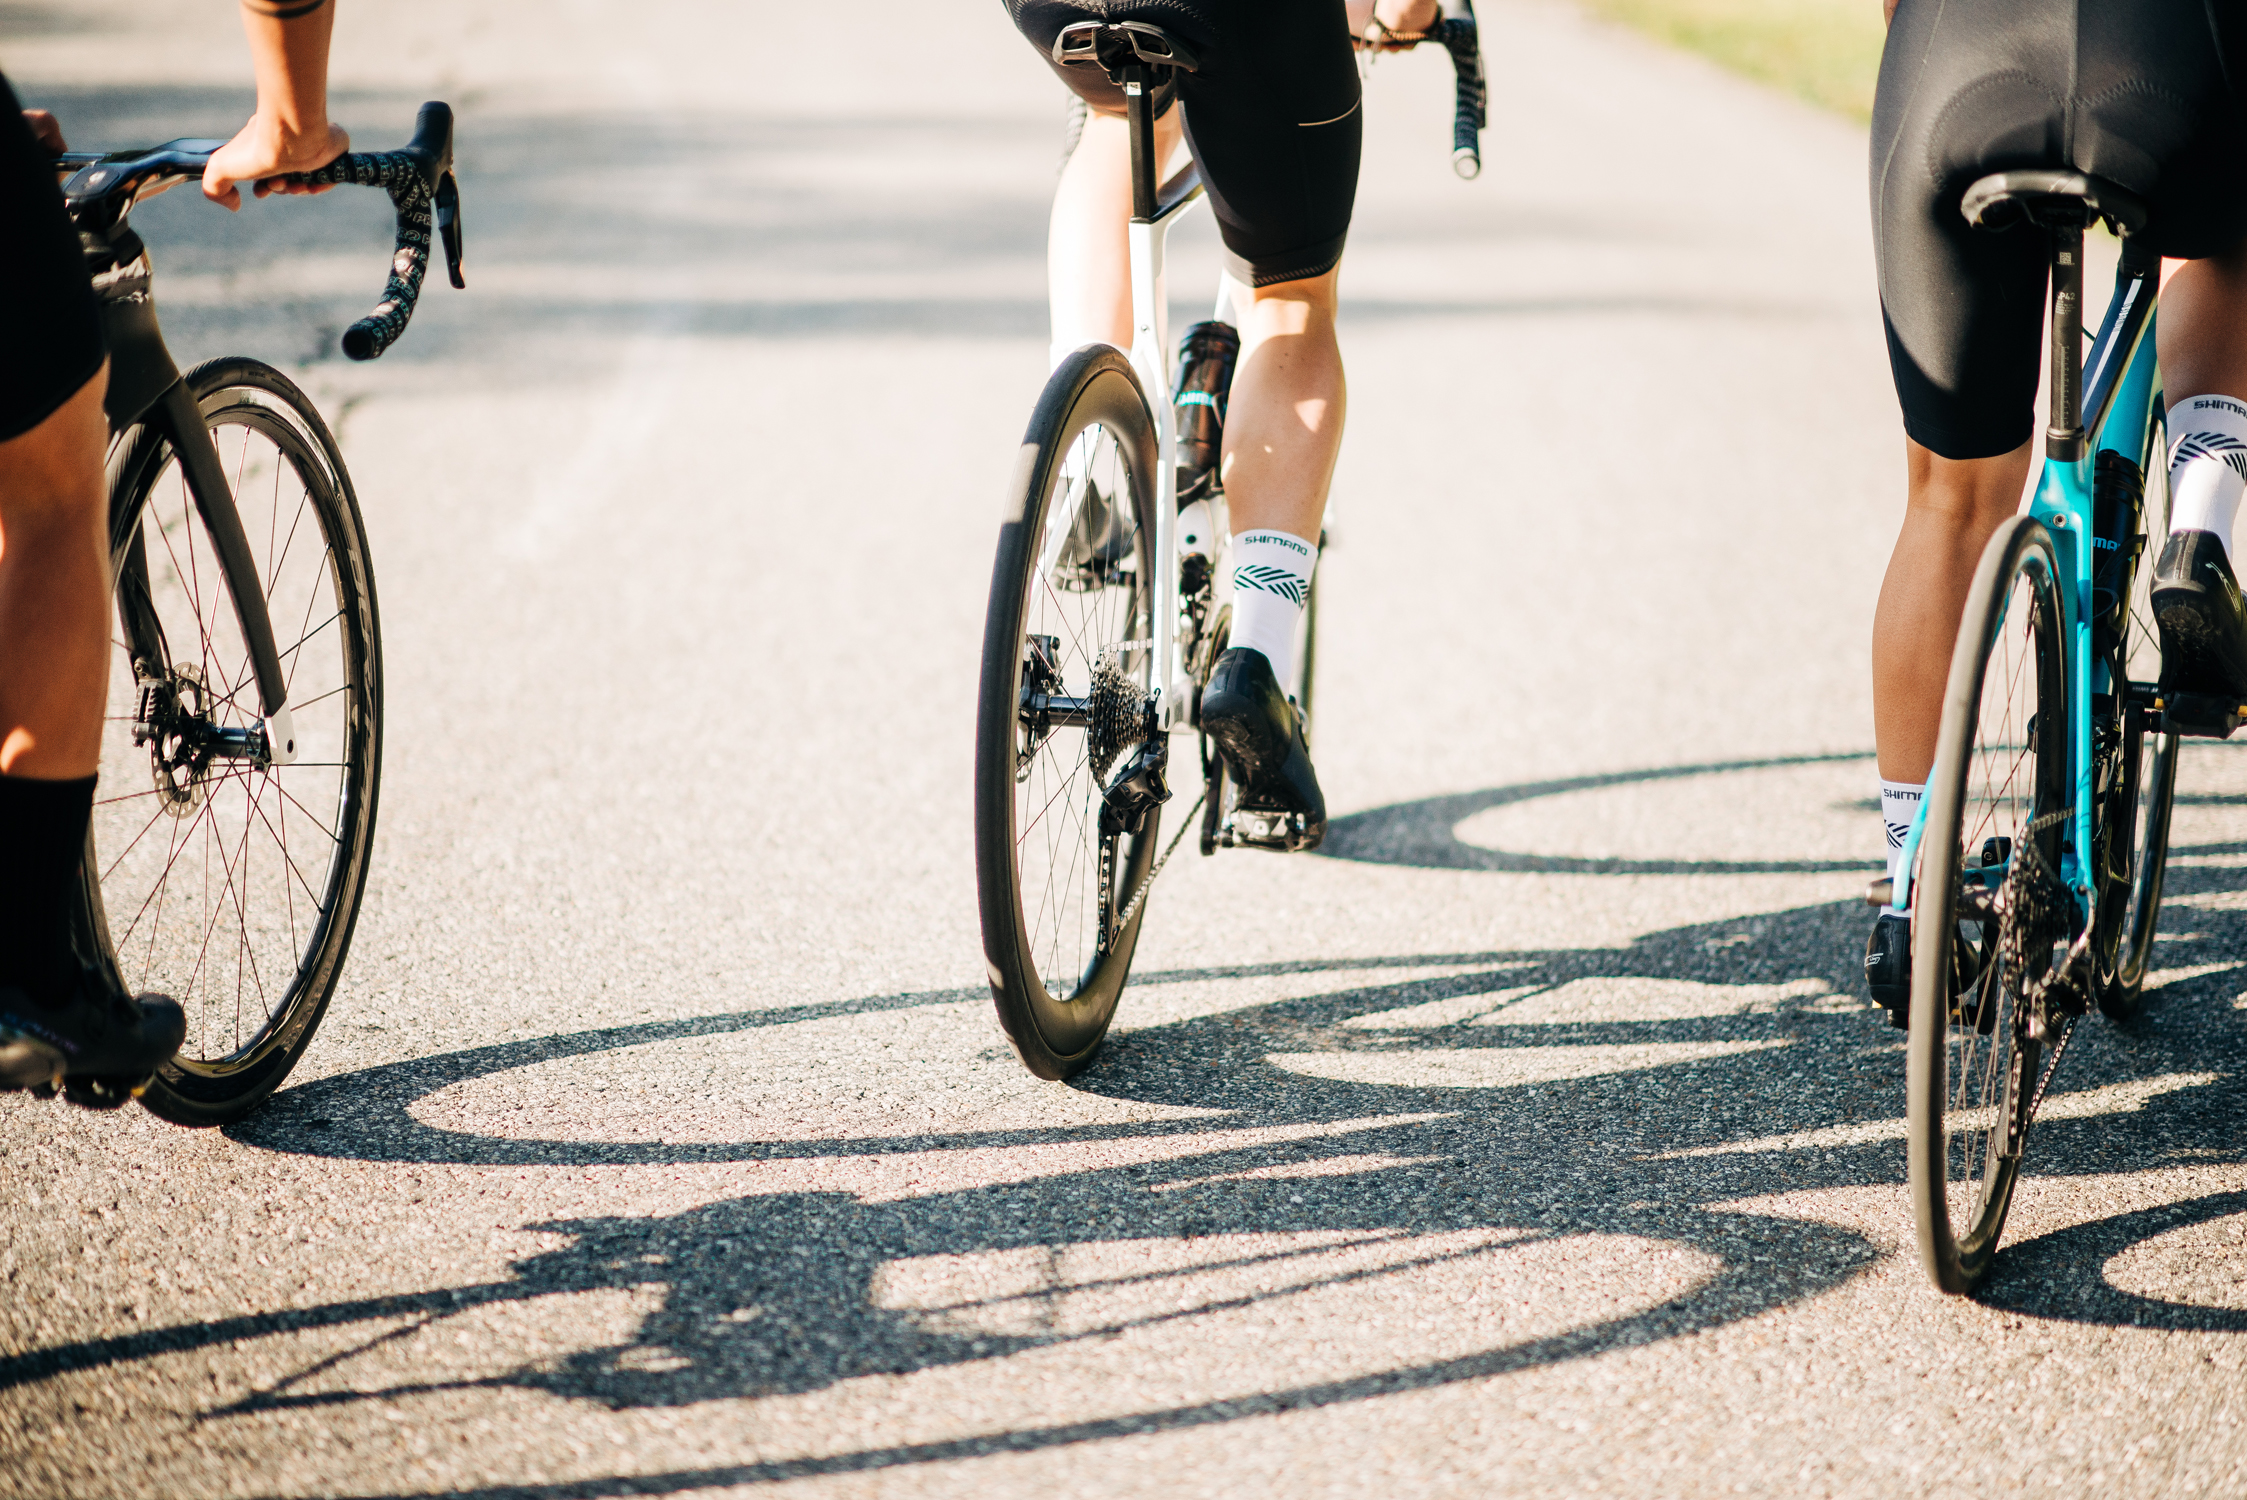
x=1088 y=249
x=1284 y=428
x=2203 y=309
x=1953 y=507
x=54 y=591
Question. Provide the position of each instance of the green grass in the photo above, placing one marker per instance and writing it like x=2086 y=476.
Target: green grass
x=1825 y=51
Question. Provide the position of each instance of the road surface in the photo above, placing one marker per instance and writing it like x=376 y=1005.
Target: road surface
x=1534 y=1138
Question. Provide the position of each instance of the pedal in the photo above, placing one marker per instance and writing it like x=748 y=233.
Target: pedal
x=104 y=1093
x=1251 y=828
x=2202 y=715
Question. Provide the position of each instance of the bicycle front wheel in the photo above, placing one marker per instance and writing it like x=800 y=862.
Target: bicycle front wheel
x=214 y=873
x=1998 y=794
x=1067 y=670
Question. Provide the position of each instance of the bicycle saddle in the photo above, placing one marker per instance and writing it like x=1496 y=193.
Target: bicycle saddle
x=2049 y=198
x=1118 y=45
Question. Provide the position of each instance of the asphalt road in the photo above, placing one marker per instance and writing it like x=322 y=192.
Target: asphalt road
x=1534 y=1138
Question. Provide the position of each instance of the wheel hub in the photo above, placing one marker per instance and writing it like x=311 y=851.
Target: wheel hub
x=172 y=721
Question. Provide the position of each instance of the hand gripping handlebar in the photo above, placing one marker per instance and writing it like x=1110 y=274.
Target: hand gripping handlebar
x=418 y=177
x=1461 y=37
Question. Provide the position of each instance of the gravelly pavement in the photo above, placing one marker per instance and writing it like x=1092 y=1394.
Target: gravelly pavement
x=660 y=1142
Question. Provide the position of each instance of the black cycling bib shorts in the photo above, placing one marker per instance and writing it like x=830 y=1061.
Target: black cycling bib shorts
x=1272 y=116
x=2140 y=92
x=50 y=325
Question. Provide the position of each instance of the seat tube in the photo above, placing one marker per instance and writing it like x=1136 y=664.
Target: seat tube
x=1149 y=337
x=2063 y=439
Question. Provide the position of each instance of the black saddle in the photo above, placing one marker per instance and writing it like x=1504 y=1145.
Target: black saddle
x=1119 y=46
x=2052 y=200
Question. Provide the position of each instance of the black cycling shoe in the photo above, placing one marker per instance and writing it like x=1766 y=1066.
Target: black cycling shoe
x=1888 y=967
x=2203 y=627
x=100 y=1049
x=1261 y=737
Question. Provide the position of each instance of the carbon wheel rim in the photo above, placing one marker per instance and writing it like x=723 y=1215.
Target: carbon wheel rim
x=1085 y=601
x=222 y=880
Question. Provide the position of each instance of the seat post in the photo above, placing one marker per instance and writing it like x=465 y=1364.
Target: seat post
x=1142 y=123
x=2063 y=439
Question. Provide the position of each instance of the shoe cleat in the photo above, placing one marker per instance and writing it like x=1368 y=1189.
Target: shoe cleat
x=2197 y=607
x=1888 y=967
x=1258 y=732
x=99 y=1049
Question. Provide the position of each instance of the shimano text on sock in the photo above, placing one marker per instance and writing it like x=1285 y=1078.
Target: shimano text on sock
x=1899 y=804
x=2207 y=466
x=1271 y=579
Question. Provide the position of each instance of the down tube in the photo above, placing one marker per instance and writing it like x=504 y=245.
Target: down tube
x=2063 y=504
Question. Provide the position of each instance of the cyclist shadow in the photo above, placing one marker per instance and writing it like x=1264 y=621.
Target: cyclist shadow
x=1697 y=1089
x=1282 y=1185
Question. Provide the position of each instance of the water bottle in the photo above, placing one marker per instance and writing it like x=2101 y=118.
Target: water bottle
x=1205 y=379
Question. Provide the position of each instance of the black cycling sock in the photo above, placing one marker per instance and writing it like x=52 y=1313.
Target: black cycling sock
x=42 y=839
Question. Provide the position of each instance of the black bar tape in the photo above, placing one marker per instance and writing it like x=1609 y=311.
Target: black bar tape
x=1460 y=39
x=401 y=175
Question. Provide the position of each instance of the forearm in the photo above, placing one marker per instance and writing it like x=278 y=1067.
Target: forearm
x=289 y=53
x=291 y=131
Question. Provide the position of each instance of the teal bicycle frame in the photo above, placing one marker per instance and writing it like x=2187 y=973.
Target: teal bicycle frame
x=2121 y=412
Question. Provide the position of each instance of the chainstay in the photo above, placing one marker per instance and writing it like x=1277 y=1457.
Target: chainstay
x=1176 y=839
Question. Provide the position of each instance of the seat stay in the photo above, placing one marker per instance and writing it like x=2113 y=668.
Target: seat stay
x=1179 y=194
x=2113 y=361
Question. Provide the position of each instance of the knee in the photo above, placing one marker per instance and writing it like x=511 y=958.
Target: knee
x=1292 y=308
x=1971 y=496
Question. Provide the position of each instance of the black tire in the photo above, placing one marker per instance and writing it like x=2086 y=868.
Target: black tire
x=1054 y=976
x=229 y=886
x=2135 y=812
x=2135 y=863
x=2000 y=773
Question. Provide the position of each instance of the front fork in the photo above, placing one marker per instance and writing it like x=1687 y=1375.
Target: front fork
x=175 y=415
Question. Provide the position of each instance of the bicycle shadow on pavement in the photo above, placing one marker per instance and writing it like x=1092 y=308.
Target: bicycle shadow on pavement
x=1606 y=1134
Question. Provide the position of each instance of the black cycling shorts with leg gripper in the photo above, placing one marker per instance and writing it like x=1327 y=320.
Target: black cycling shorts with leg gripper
x=50 y=325
x=2139 y=93
x=1272 y=116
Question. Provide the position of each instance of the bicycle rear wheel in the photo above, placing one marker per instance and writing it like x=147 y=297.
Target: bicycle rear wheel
x=1072 y=601
x=1999 y=787
x=227 y=881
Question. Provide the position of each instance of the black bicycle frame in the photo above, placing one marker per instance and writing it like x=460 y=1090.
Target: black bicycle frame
x=145 y=388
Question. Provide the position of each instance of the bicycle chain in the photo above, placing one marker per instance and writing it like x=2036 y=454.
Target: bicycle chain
x=1141 y=894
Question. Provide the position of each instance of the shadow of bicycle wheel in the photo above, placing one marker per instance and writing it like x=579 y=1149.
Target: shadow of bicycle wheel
x=1425 y=834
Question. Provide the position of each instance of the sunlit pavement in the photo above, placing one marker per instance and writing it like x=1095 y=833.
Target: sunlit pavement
x=1533 y=1139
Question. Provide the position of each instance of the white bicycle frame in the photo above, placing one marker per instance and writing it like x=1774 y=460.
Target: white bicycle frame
x=1148 y=239
x=1150 y=341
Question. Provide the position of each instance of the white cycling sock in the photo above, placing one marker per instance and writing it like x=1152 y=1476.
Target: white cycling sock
x=1271 y=579
x=2207 y=466
x=1899 y=804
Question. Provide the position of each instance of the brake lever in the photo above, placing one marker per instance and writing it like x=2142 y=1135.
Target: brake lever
x=448 y=225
